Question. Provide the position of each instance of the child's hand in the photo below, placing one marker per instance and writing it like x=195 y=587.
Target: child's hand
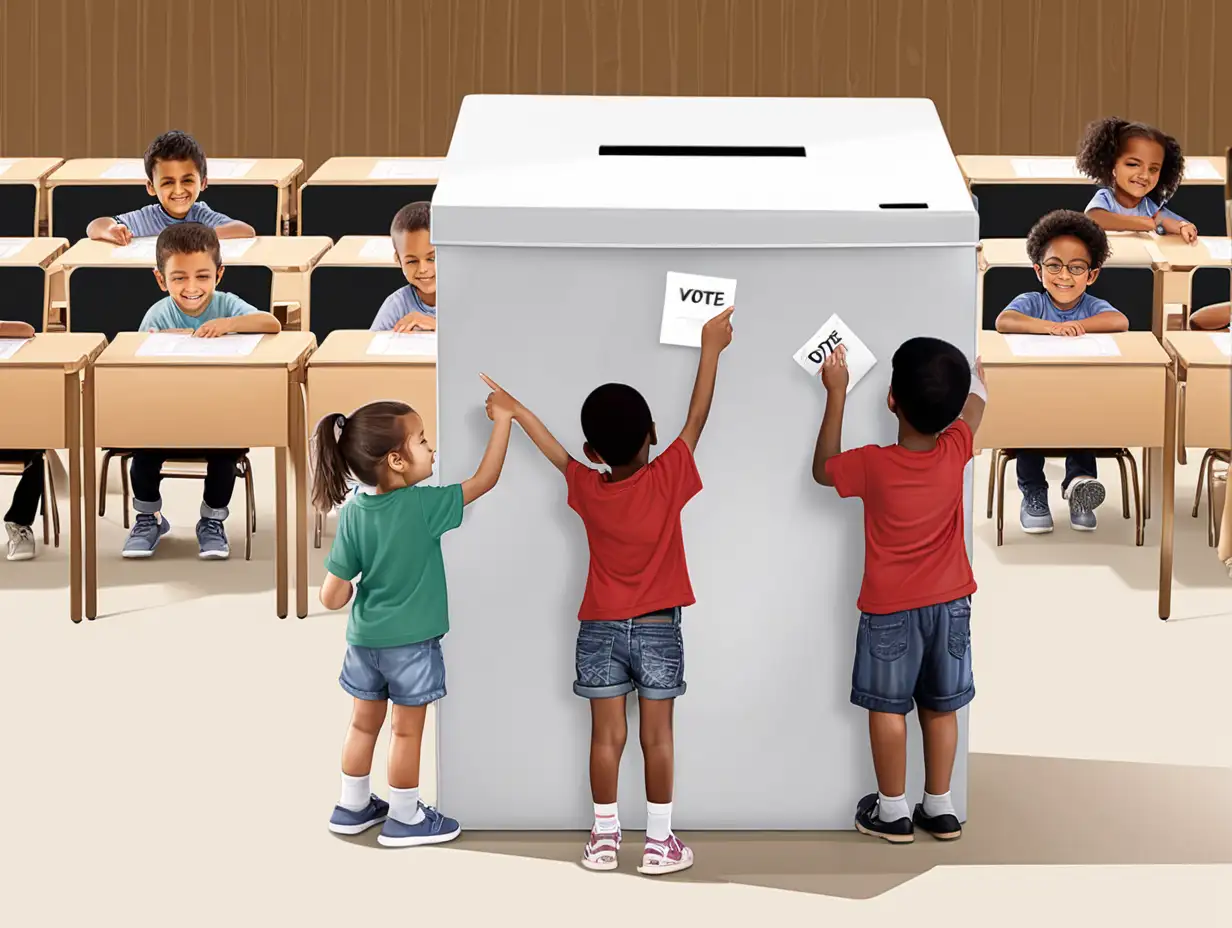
x=834 y=373
x=1067 y=329
x=213 y=328
x=1189 y=232
x=500 y=405
x=415 y=322
x=120 y=234
x=979 y=372
x=717 y=333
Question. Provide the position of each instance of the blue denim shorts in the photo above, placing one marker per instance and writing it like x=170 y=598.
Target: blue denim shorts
x=921 y=654
x=408 y=675
x=645 y=653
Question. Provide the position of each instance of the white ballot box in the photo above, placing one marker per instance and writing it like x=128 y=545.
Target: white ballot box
x=556 y=221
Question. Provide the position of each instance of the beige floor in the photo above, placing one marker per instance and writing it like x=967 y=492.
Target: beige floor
x=172 y=763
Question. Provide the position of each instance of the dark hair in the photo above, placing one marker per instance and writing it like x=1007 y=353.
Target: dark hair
x=412 y=218
x=1103 y=141
x=930 y=382
x=174 y=146
x=364 y=438
x=616 y=421
x=186 y=238
x=1067 y=222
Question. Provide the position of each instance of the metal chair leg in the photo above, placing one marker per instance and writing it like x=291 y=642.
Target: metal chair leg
x=1001 y=498
x=55 y=505
x=1146 y=484
x=1120 y=459
x=124 y=490
x=252 y=497
x=43 y=503
x=318 y=528
x=102 y=483
x=1202 y=468
x=992 y=477
x=1139 y=509
x=1211 y=539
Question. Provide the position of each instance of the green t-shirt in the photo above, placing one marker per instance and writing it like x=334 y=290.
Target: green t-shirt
x=394 y=541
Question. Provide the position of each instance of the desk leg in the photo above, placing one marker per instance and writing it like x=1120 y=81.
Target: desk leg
x=91 y=489
x=1168 y=499
x=280 y=529
x=298 y=415
x=72 y=403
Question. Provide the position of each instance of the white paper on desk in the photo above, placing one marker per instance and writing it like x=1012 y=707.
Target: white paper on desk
x=233 y=248
x=689 y=302
x=10 y=346
x=1218 y=248
x=175 y=344
x=378 y=249
x=406 y=169
x=835 y=332
x=403 y=344
x=129 y=169
x=5 y=165
x=228 y=168
x=1060 y=346
x=11 y=246
x=1044 y=168
x=1200 y=169
x=139 y=249
x=1223 y=341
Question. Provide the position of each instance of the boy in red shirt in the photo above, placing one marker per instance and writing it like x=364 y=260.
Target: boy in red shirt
x=629 y=637
x=914 y=639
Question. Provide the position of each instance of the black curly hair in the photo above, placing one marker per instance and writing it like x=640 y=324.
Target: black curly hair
x=174 y=146
x=1067 y=222
x=1103 y=141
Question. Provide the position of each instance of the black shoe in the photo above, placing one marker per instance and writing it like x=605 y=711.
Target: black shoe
x=868 y=823
x=944 y=827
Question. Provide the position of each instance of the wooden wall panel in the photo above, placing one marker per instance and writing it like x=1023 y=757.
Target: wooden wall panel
x=314 y=78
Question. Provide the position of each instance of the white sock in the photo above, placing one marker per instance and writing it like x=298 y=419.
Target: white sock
x=892 y=808
x=356 y=792
x=607 y=822
x=938 y=805
x=404 y=805
x=658 y=821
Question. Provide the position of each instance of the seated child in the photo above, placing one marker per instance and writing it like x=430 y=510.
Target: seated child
x=636 y=588
x=189 y=267
x=1067 y=249
x=175 y=171
x=19 y=520
x=914 y=638
x=1133 y=161
x=413 y=307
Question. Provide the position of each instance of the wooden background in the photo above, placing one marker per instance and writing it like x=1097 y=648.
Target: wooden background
x=314 y=78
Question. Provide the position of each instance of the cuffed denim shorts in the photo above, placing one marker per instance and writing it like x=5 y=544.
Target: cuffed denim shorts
x=408 y=675
x=645 y=653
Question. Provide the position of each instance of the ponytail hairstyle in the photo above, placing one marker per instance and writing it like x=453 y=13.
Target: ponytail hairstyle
x=354 y=445
x=1103 y=141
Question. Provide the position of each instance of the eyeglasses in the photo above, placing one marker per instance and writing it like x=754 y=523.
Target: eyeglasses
x=1076 y=269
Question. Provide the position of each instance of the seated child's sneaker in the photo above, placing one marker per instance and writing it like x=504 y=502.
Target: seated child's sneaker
x=147 y=531
x=347 y=822
x=668 y=856
x=1035 y=516
x=868 y=822
x=433 y=828
x=21 y=542
x=212 y=539
x=944 y=827
x=601 y=849
x=1085 y=495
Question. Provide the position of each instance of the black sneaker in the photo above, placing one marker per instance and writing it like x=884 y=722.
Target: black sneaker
x=868 y=823
x=945 y=827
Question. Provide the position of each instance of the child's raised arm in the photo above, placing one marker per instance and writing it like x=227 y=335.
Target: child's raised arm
x=716 y=335
x=973 y=409
x=834 y=375
x=500 y=408
x=535 y=430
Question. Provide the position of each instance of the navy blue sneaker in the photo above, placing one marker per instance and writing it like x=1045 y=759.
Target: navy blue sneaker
x=433 y=828
x=346 y=822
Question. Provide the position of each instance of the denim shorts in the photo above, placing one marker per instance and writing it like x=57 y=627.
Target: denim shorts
x=923 y=654
x=644 y=653
x=408 y=675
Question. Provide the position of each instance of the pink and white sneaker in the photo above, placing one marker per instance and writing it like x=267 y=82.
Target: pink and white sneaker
x=600 y=851
x=668 y=856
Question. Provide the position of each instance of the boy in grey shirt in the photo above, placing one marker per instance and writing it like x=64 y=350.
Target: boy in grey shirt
x=413 y=307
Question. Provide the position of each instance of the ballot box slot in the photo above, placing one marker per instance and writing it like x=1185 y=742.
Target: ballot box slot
x=703 y=151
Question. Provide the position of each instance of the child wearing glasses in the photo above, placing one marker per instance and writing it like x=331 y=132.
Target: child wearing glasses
x=1067 y=250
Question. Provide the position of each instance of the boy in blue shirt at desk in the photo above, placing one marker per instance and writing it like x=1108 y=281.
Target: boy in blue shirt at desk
x=411 y=308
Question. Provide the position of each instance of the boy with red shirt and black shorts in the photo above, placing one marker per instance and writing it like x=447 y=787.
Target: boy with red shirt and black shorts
x=914 y=639
x=629 y=636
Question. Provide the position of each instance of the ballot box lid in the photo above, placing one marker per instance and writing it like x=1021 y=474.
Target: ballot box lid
x=686 y=172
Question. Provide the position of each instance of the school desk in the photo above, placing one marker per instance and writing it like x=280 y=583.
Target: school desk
x=1010 y=203
x=1210 y=276
x=342 y=376
x=1060 y=402
x=250 y=401
x=359 y=196
x=22 y=194
x=51 y=373
x=108 y=289
x=85 y=188
x=25 y=278
x=350 y=283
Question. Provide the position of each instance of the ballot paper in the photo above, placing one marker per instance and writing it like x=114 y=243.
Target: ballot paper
x=233 y=248
x=1045 y=168
x=128 y=169
x=174 y=344
x=1200 y=169
x=5 y=165
x=139 y=249
x=11 y=246
x=835 y=332
x=404 y=344
x=1059 y=346
x=10 y=346
x=689 y=302
x=228 y=168
x=1218 y=248
x=1223 y=341
x=378 y=249
x=406 y=169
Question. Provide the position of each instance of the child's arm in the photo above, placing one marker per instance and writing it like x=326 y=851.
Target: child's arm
x=257 y=323
x=535 y=430
x=973 y=409
x=1116 y=222
x=500 y=407
x=1212 y=318
x=335 y=592
x=234 y=228
x=1110 y=320
x=18 y=330
x=716 y=335
x=1012 y=322
x=107 y=229
x=834 y=376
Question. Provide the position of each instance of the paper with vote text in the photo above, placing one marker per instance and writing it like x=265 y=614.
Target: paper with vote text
x=177 y=345
x=689 y=302
x=10 y=346
x=1060 y=346
x=835 y=332
x=378 y=249
x=1045 y=168
x=404 y=344
x=1218 y=248
x=228 y=168
x=1223 y=341
x=11 y=246
x=128 y=169
x=419 y=169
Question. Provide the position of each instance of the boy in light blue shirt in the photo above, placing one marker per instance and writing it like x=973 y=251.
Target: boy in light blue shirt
x=413 y=307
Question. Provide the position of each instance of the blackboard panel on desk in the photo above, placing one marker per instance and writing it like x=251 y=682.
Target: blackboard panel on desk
x=355 y=209
x=18 y=203
x=1129 y=289
x=1010 y=210
x=74 y=207
x=349 y=297
x=21 y=294
x=1210 y=285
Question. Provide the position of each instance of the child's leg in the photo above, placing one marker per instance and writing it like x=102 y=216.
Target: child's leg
x=145 y=470
x=609 y=730
x=358 y=809
x=216 y=498
x=887 y=736
x=658 y=749
x=940 y=731
x=29 y=491
x=1082 y=489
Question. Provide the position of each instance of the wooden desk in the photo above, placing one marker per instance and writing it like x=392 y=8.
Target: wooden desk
x=25 y=278
x=1180 y=256
x=23 y=201
x=49 y=373
x=237 y=196
x=350 y=286
x=342 y=197
x=1127 y=249
x=254 y=401
x=1206 y=279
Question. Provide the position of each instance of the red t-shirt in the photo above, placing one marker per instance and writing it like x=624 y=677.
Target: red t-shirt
x=915 y=551
x=636 y=546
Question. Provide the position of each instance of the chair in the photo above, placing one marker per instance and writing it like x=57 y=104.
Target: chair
x=1206 y=470
x=243 y=468
x=48 y=503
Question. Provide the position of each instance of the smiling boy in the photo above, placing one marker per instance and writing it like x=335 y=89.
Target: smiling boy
x=411 y=308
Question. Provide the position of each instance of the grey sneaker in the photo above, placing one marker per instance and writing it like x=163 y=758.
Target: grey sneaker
x=212 y=539
x=145 y=535
x=433 y=828
x=1035 y=516
x=1085 y=495
x=345 y=822
x=21 y=542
